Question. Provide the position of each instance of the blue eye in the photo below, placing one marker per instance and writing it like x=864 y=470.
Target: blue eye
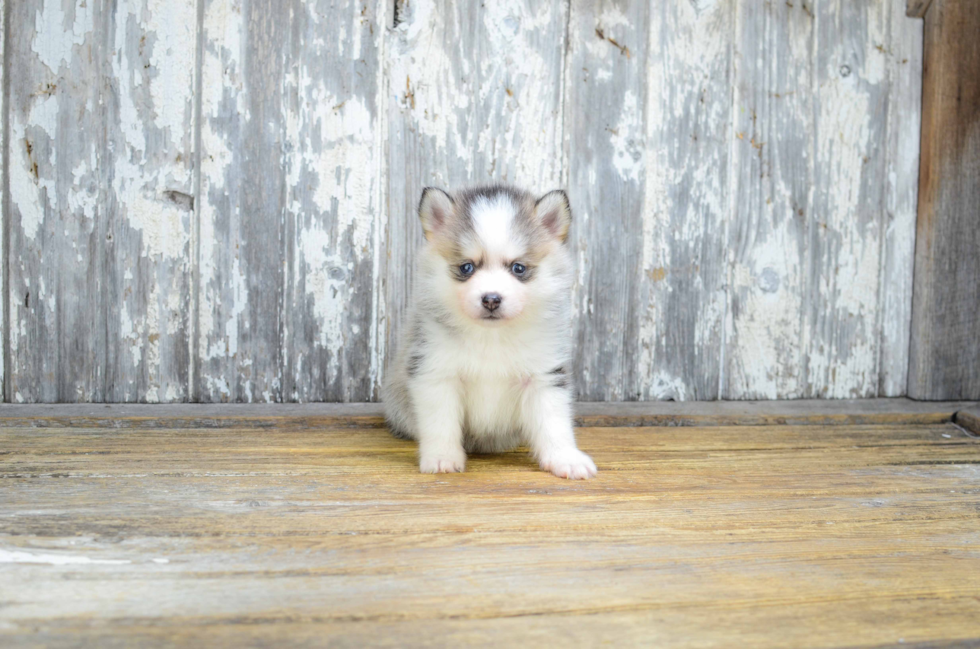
x=466 y=269
x=518 y=268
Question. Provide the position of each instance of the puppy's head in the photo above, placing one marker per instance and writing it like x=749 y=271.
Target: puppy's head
x=494 y=251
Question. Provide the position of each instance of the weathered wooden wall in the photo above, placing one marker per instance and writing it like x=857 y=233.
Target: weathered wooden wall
x=213 y=200
x=944 y=357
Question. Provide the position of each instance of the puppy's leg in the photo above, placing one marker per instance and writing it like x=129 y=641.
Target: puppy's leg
x=547 y=422
x=439 y=413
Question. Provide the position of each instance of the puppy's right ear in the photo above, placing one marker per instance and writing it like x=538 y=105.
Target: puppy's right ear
x=435 y=211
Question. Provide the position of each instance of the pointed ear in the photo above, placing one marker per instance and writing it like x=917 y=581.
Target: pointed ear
x=435 y=211
x=553 y=212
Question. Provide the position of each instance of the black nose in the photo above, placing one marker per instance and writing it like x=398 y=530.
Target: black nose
x=491 y=301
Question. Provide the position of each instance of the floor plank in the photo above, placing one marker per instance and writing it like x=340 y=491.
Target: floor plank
x=801 y=535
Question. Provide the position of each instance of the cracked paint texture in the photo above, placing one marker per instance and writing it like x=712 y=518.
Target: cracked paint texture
x=214 y=200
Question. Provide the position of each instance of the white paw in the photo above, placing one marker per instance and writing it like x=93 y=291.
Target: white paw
x=569 y=463
x=444 y=462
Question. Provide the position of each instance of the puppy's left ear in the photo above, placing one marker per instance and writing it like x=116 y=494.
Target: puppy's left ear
x=553 y=212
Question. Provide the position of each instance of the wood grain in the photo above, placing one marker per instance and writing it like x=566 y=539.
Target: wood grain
x=686 y=205
x=310 y=535
x=844 y=230
x=291 y=222
x=820 y=275
x=57 y=220
x=894 y=313
x=242 y=270
x=150 y=209
x=333 y=146
x=773 y=167
x=214 y=200
x=944 y=352
x=605 y=126
x=4 y=204
x=100 y=181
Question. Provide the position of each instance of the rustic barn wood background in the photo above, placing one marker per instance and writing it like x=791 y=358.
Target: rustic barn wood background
x=213 y=200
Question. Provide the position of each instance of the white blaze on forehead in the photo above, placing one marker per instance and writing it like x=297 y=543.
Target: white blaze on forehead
x=492 y=221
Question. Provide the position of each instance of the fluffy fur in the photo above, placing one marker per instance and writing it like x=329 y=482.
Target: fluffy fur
x=484 y=358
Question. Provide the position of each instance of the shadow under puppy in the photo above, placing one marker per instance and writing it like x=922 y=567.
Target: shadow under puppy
x=483 y=361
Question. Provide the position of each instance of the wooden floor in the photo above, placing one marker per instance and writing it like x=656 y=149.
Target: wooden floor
x=240 y=527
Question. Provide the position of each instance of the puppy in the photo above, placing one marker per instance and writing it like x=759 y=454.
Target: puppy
x=484 y=359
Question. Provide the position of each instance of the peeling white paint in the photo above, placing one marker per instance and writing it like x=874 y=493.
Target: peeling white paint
x=50 y=23
x=663 y=385
x=163 y=226
x=627 y=140
x=212 y=180
x=502 y=106
x=686 y=198
x=379 y=308
x=819 y=272
x=344 y=163
x=326 y=285
x=768 y=321
x=153 y=70
x=521 y=134
x=436 y=99
x=140 y=183
x=239 y=284
x=848 y=284
x=222 y=75
x=173 y=28
x=32 y=194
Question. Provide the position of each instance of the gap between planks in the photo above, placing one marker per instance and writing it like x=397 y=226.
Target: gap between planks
x=588 y=414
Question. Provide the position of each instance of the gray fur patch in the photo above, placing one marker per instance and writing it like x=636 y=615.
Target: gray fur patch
x=397 y=431
x=414 y=363
x=525 y=227
x=559 y=378
x=444 y=320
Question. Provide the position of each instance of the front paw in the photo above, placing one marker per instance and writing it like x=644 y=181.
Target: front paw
x=443 y=462
x=569 y=463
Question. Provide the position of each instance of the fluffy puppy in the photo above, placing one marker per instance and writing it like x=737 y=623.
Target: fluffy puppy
x=483 y=362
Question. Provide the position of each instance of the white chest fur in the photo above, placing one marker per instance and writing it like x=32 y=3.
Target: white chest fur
x=495 y=369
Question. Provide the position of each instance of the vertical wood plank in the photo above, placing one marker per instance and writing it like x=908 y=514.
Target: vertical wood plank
x=334 y=144
x=945 y=349
x=474 y=96
x=904 y=63
x=4 y=133
x=773 y=160
x=58 y=176
x=811 y=159
x=844 y=233
x=678 y=352
x=102 y=139
x=605 y=95
x=242 y=194
x=150 y=137
x=290 y=201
